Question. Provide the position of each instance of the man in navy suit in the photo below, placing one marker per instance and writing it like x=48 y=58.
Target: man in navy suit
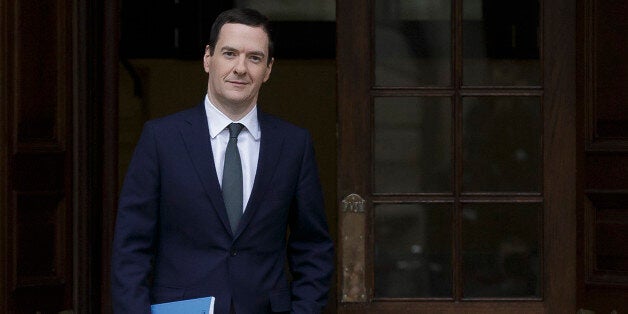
x=177 y=236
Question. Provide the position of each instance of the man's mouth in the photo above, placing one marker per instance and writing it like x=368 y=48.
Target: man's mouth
x=237 y=82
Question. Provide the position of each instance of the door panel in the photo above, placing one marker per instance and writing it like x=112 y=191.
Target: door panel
x=36 y=210
x=412 y=250
x=412 y=145
x=412 y=43
x=603 y=214
x=501 y=144
x=450 y=134
x=54 y=231
x=500 y=43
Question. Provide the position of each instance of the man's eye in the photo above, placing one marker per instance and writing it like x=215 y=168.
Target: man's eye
x=228 y=54
x=256 y=59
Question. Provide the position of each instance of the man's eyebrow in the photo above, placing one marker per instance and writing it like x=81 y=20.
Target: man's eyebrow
x=254 y=52
x=257 y=53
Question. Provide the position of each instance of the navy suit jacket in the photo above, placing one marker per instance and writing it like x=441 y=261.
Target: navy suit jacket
x=172 y=237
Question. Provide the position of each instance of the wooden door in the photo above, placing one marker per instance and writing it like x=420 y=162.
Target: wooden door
x=457 y=163
x=57 y=154
x=36 y=158
x=603 y=183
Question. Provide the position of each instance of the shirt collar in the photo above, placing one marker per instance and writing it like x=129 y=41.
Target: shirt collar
x=218 y=121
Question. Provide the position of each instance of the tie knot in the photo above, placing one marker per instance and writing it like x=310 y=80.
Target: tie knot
x=234 y=129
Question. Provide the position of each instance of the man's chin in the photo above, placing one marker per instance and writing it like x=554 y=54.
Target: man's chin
x=237 y=97
x=238 y=101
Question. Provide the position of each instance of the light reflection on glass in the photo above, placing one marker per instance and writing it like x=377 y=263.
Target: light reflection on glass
x=500 y=249
x=412 y=43
x=412 y=145
x=501 y=44
x=413 y=250
x=501 y=144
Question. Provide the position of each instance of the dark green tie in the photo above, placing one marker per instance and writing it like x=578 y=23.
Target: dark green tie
x=232 y=177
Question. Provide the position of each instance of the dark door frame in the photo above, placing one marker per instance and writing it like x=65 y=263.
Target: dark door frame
x=96 y=44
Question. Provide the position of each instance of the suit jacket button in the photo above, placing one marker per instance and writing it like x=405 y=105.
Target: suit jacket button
x=234 y=252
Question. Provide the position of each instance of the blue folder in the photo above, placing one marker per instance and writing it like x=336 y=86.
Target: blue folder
x=191 y=306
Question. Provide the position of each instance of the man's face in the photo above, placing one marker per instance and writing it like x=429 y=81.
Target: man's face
x=238 y=67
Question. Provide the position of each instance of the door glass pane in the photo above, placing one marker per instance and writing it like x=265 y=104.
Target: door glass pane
x=412 y=145
x=500 y=250
x=412 y=43
x=501 y=44
x=413 y=250
x=501 y=144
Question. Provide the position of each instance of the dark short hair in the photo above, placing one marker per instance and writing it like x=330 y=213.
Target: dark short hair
x=244 y=16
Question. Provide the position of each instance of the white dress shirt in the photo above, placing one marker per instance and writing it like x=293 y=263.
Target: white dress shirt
x=248 y=144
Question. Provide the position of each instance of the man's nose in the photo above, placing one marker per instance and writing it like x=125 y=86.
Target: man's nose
x=240 y=66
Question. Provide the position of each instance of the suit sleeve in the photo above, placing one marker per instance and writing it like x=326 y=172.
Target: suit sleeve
x=135 y=231
x=310 y=248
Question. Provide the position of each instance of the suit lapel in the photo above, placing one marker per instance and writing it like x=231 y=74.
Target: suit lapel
x=270 y=149
x=195 y=134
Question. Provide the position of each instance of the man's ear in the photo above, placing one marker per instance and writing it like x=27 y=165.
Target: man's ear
x=206 y=58
x=269 y=69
